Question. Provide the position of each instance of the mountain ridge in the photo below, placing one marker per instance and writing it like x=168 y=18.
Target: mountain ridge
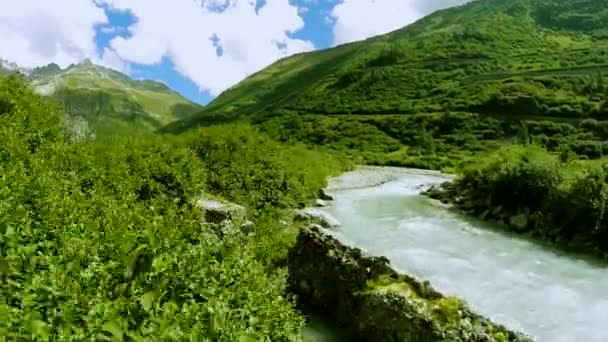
x=101 y=101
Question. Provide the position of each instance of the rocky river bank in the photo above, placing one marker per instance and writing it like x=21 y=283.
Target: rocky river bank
x=369 y=299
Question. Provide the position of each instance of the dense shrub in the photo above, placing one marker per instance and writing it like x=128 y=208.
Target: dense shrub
x=513 y=177
x=101 y=240
x=559 y=200
x=251 y=168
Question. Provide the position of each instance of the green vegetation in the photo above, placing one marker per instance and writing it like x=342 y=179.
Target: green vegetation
x=102 y=240
x=446 y=311
x=552 y=197
x=434 y=141
x=99 y=101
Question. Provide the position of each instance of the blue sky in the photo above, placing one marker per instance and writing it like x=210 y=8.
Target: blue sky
x=197 y=47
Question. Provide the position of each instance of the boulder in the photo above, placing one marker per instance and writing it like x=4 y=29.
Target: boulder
x=325 y=196
x=320 y=203
x=520 y=222
x=217 y=211
x=367 y=297
x=316 y=216
x=443 y=193
x=248 y=227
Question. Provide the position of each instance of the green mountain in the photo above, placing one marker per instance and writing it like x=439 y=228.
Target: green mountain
x=541 y=59
x=536 y=55
x=100 y=100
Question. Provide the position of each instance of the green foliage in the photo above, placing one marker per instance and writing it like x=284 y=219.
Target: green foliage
x=582 y=15
x=102 y=240
x=434 y=141
x=514 y=177
x=431 y=141
x=251 y=168
x=37 y=123
x=559 y=200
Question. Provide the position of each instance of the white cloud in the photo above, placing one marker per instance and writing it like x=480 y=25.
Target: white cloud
x=360 y=19
x=109 y=29
x=112 y=60
x=113 y=30
x=37 y=32
x=248 y=40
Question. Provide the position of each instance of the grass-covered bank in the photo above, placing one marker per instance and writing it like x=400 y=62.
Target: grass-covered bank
x=438 y=141
x=551 y=197
x=102 y=239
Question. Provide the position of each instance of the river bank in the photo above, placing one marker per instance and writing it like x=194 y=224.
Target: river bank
x=528 y=191
x=366 y=297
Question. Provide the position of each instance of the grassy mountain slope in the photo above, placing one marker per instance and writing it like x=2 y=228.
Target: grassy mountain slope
x=486 y=61
x=105 y=100
x=537 y=56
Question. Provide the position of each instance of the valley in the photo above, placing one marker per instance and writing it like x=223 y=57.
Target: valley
x=467 y=149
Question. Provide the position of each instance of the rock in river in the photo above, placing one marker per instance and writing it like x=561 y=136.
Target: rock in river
x=320 y=203
x=325 y=196
x=318 y=216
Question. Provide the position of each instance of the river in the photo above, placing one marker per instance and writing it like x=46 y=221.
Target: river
x=550 y=296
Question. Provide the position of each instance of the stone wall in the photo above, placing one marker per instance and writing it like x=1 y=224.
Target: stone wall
x=366 y=297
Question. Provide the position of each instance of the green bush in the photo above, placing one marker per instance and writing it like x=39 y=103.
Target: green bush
x=513 y=177
x=558 y=199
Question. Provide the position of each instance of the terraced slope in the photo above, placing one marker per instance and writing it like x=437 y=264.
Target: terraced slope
x=531 y=57
x=105 y=101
